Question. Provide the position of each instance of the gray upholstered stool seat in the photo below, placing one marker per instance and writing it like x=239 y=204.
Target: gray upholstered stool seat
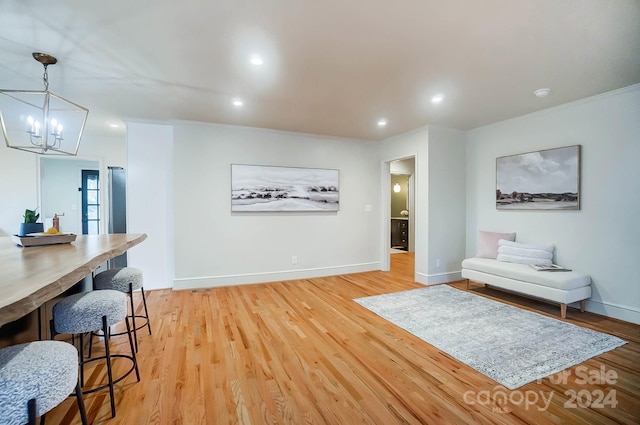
x=127 y=280
x=87 y=312
x=83 y=312
x=119 y=279
x=36 y=377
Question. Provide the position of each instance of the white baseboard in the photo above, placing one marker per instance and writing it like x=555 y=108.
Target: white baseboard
x=276 y=276
x=627 y=314
x=434 y=279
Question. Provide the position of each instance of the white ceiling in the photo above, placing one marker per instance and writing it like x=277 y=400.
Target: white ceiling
x=332 y=67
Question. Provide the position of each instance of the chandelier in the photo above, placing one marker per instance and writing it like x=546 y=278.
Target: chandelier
x=41 y=121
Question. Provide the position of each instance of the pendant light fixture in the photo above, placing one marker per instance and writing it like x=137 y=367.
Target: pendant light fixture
x=40 y=121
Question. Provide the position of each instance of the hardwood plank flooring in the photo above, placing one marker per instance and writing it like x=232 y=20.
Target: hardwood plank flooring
x=302 y=352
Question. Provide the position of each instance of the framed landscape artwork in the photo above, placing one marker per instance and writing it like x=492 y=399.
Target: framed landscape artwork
x=543 y=180
x=268 y=188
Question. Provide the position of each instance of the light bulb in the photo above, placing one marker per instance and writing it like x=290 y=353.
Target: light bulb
x=256 y=60
x=437 y=98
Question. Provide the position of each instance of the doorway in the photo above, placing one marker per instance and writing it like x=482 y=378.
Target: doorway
x=401 y=207
x=61 y=193
x=90 y=202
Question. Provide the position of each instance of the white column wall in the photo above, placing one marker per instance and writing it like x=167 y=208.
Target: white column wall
x=447 y=204
x=150 y=201
x=440 y=199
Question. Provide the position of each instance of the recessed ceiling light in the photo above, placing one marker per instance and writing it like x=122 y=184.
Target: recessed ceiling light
x=237 y=103
x=438 y=98
x=114 y=126
x=382 y=122
x=542 y=92
x=256 y=60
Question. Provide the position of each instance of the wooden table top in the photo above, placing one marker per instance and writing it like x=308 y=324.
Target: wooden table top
x=33 y=275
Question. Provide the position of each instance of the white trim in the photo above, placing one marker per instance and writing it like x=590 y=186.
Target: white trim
x=275 y=276
x=615 y=311
x=435 y=279
x=385 y=217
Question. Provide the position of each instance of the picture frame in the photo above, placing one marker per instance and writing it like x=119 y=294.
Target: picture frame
x=547 y=179
x=264 y=188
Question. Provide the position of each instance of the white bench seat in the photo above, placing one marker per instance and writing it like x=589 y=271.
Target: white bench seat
x=561 y=287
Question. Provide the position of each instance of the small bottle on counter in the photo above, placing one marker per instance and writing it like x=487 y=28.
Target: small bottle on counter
x=56 y=222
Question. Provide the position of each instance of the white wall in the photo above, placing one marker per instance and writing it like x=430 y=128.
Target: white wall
x=150 y=201
x=602 y=238
x=18 y=188
x=215 y=247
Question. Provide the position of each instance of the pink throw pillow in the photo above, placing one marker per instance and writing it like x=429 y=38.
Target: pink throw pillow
x=488 y=243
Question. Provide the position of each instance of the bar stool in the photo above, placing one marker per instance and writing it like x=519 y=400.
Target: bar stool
x=125 y=279
x=89 y=312
x=36 y=377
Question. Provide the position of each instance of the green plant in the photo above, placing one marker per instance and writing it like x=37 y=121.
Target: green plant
x=30 y=216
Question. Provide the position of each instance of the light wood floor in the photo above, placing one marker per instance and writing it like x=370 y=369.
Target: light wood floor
x=302 y=352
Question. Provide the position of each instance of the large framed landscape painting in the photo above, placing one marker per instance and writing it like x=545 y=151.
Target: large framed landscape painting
x=269 y=188
x=543 y=180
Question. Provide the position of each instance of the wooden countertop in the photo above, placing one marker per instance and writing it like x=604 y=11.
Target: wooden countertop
x=33 y=275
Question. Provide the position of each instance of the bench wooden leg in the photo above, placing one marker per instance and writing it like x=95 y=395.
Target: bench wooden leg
x=583 y=304
x=467 y=284
x=563 y=311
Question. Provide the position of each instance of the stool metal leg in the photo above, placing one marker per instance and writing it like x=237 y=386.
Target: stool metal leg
x=91 y=335
x=133 y=352
x=133 y=316
x=31 y=409
x=81 y=408
x=81 y=351
x=146 y=312
x=105 y=331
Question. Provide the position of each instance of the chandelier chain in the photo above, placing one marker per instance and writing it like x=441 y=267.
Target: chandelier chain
x=45 y=78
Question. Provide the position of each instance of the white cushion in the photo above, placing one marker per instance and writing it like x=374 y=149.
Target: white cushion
x=559 y=280
x=515 y=252
x=523 y=259
x=544 y=247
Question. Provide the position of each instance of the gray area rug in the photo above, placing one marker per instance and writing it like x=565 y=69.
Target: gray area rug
x=510 y=345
